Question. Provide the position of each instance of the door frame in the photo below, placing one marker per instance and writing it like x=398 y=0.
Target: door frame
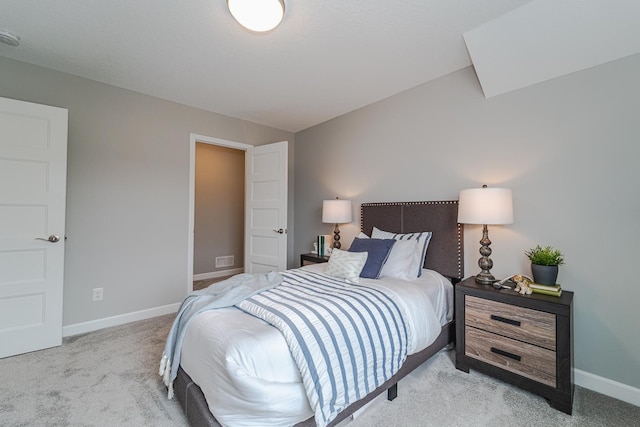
x=193 y=138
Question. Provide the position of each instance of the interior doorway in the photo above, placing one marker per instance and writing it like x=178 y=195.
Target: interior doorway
x=218 y=248
x=216 y=200
x=266 y=205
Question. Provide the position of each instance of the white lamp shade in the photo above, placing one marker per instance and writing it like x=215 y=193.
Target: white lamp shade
x=485 y=206
x=336 y=211
x=257 y=15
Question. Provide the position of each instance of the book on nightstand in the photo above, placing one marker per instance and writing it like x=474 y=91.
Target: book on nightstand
x=553 y=290
x=324 y=244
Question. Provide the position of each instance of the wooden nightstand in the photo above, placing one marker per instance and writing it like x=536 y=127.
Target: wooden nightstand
x=524 y=340
x=306 y=259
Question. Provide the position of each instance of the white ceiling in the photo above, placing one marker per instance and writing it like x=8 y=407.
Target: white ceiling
x=327 y=58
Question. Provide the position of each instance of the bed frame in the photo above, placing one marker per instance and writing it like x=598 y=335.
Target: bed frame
x=445 y=255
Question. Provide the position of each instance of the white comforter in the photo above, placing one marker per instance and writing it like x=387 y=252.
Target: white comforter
x=247 y=374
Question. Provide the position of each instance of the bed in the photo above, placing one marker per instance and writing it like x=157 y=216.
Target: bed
x=228 y=376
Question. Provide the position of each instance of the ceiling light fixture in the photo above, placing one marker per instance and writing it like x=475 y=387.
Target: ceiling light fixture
x=7 y=38
x=257 y=15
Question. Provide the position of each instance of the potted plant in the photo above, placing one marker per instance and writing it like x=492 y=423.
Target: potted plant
x=544 y=264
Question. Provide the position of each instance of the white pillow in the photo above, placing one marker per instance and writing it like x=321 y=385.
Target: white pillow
x=399 y=264
x=400 y=261
x=346 y=265
x=422 y=238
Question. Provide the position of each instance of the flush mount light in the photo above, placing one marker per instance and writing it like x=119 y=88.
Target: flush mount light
x=7 y=38
x=257 y=15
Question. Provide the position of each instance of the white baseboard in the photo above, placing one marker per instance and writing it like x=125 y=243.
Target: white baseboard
x=94 y=325
x=606 y=386
x=107 y=322
x=216 y=274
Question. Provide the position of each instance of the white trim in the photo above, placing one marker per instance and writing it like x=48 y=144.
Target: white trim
x=107 y=322
x=219 y=141
x=216 y=274
x=611 y=388
x=193 y=138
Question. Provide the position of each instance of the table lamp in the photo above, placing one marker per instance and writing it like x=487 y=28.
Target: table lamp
x=485 y=206
x=336 y=212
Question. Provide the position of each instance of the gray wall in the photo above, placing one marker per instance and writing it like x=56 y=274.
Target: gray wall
x=569 y=150
x=219 y=207
x=127 y=187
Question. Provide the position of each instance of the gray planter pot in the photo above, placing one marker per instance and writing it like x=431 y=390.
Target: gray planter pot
x=544 y=274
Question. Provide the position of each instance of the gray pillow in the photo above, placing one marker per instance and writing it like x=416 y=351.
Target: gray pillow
x=346 y=265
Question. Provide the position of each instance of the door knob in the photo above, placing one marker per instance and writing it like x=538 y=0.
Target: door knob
x=53 y=238
x=280 y=231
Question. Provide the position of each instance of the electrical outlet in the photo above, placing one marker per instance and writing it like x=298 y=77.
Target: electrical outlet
x=98 y=294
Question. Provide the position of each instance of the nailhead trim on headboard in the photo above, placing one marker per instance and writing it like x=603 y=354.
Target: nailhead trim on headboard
x=458 y=256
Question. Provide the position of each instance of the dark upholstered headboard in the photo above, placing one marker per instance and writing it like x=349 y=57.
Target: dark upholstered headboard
x=445 y=252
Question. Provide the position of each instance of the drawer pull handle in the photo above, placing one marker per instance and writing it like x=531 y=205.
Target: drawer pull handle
x=505 y=320
x=506 y=354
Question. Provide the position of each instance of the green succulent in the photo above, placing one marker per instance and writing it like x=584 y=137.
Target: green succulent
x=545 y=256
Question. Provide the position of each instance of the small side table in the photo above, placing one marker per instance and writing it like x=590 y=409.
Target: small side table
x=309 y=258
x=525 y=340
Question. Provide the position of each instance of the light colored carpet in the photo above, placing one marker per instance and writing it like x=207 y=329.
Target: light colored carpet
x=110 y=378
x=103 y=378
x=437 y=394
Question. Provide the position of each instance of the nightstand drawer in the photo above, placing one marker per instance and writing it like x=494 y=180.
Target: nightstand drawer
x=530 y=361
x=523 y=324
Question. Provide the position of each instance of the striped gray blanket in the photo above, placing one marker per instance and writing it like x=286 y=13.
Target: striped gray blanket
x=346 y=339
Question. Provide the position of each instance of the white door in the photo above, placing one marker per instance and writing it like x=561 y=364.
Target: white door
x=33 y=171
x=266 y=208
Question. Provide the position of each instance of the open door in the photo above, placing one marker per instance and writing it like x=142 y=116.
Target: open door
x=33 y=172
x=266 y=208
